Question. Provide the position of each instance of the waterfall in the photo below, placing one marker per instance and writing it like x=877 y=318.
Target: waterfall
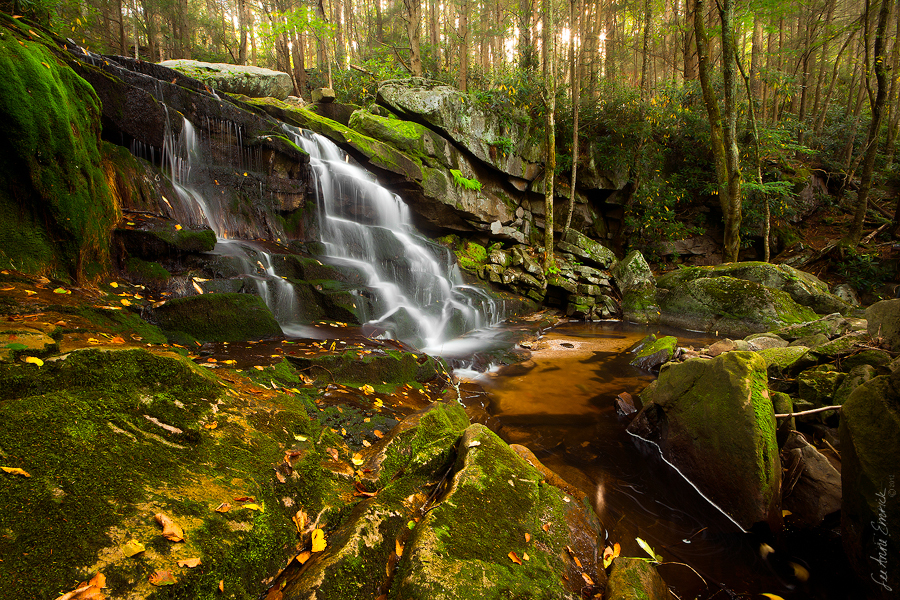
x=419 y=294
x=415 y=292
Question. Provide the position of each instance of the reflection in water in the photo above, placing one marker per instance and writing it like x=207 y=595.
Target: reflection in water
x=560 y=404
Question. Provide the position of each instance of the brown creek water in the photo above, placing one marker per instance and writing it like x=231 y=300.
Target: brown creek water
x=561 y=406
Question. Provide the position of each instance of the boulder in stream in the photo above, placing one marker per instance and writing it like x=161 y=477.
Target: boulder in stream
x=714 y=421
x=217 y=318
x=884 y=321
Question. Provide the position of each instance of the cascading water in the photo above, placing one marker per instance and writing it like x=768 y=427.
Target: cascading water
x=418 y=292
x=181 y=152
x=415 y=291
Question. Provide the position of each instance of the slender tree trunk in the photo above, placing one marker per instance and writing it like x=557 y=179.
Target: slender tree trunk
x=823 y=111
x=576 y=8
x=243 y=18
x=379 y=24
x=645 y=51
x=413 y=31
x=547 y=51
x=434 y=37
x=880 y=69
x=464 y=40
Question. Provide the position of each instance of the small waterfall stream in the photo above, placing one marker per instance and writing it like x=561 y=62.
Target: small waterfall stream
x=415 y=290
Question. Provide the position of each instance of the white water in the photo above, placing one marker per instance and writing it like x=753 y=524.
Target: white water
x=416 y=293
x=419 y=295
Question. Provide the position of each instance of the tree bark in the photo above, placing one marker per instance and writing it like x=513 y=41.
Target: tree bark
x=413 y=31
x=464 y=36
x=880 y=68
x=577 y=8
x=547 y=51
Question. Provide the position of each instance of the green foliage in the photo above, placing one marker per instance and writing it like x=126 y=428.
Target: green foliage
x=864 y=271
x=465 y=183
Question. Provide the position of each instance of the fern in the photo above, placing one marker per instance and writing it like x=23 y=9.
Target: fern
x=465 y=183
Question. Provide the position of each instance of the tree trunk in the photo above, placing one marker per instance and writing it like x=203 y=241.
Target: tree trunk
x=379 y=24
x=880 y=69
x=548 y=61
x=464 y=36
x=576 y=8
x=721 y=157
x=243 y=17
x=434 y=37
x=645 y=50
x=413 y=30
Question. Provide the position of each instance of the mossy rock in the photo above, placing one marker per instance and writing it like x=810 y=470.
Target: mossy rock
x=714 y=420
x=843 y=346
x=786 y=363
x=819 y=384
x=151 y=274
x=655 y=353
x=218 y=317
x=109 y=439
x=877 y=359
x=634 y=579
x=884 y=321
x=389 y=366
x=164 y=239
x=401 y=466
x=857 y=376
x=56 y=210
x=805 y=289
x=729 y=306
x=461 y=547
x=870 y=513
x=830 y=326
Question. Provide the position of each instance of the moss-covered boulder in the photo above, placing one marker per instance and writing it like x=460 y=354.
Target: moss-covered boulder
x=635 y=579
x=638 y=288
x=473 y=544
x=595 y=253
x=804 y=288
x=653 y=353
x=390 y=366
x=831 y=326
x=713 y=419
x=248 y=80
x=361 y=555
x=729 y=306
x=870 y=513
x=56 y=210
x=488 y=135
x=109 y=439
x=819 y=384
x=218 y=317
x=884 y=321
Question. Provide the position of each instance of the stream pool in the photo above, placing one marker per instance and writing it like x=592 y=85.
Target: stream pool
x=561 y=405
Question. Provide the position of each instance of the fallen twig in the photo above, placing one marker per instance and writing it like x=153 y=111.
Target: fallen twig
x=808 y=412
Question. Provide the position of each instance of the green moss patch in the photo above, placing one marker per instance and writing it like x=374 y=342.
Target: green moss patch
x=56 y=210
x=218 y=317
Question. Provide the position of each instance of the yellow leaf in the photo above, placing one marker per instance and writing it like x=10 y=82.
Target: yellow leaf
x=512 y=556
x=162 y=578
x=15 y=471
x=318 y=540
x=786 y=513
x=45 y=64
x=527 y=537
x=34 y=360
x=299 y=520
x=378 y=403
x=252 y=506
x=772 y=596
x=367 y=389
x=177 y=227
x=357 y=459
x=304 y=556
x=30 y=292
x=113 y=284
x=190 y=563
x=93 y=341
x=398 y=548
x=171 y=531
x=223 y=508
x=125 y=302
x=132 y=548
x=587 y=579
x=258 y=368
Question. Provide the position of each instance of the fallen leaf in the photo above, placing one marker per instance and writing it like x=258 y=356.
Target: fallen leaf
x=772 y=596
x=378 y=434
x=126 y=302
x=512 y=556
x=190 y=563
x=211 y=425
x=332 y=453
x=800 y=571
x=577 y=562
x=132 y=548
x=252 y=507
x=30 y=292
x=610 y=554
x=357 y=459
x=87 y=590
x=473 y=444
x=15 y=471
x=222 y=586
x=243 y=499
x=34 y=360
x=258 y=368
x=378 y=403
x=587 y=579
x=786 y=513
x=367 y=389
x=177 y=227
x=546 y=526
x=7 y=289
x=299 y=520
x=113 y=284
x=223 y=508
x=171 y=531
x=60 y=290
x=117 y=340
x=93 y=341
x=525 y=556
x=398 y=548
x=648 y=549
x=318 y=540
x=304 y=556
x=160 y=578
